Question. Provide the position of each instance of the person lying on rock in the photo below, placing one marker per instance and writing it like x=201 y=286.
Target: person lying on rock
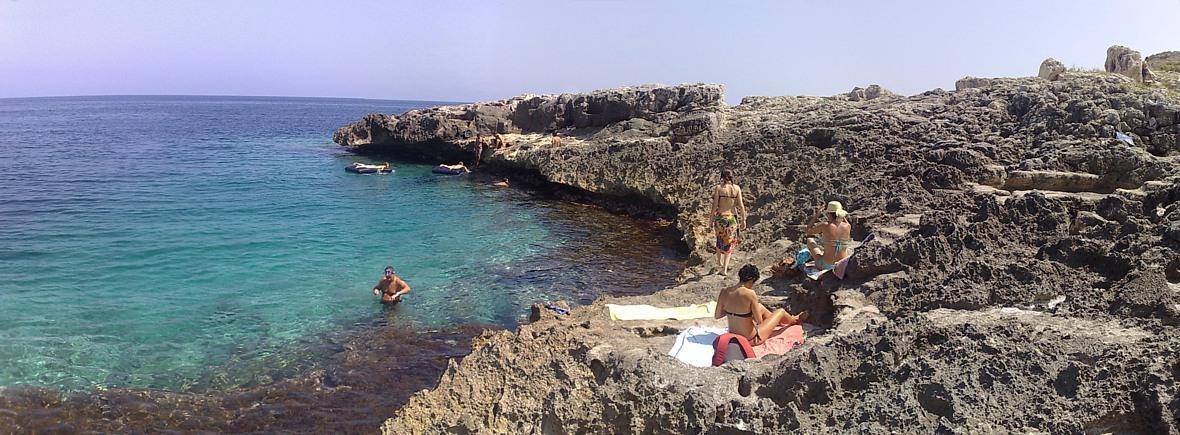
x=391 y=288
x=835 y=236
x=747 y=316
x=727 y=198
x=457 y=167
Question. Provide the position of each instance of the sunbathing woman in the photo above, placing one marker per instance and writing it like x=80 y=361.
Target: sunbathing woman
x=727 y=198
x=747 y=316
x=835 y=236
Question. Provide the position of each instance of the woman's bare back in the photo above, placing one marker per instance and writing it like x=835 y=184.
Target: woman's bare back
x=727 y=198
x=736 y=304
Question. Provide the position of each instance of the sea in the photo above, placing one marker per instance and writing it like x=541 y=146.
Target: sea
x=189 y=253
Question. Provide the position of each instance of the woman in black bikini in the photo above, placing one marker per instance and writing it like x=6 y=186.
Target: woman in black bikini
x=747 y=316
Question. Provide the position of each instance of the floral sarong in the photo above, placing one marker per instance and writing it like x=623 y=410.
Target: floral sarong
x=727 y=232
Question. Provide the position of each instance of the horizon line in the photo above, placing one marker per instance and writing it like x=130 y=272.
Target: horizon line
x=226 y=96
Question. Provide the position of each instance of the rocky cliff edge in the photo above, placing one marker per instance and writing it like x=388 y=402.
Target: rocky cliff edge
x=1024 y=276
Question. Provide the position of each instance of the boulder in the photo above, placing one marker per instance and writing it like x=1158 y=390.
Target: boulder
x=869 y=93
x=1125 y=61
x=1051 y=69
x=876 y=91
x=972 y=82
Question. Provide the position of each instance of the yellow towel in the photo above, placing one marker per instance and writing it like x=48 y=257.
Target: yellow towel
x=648 y=312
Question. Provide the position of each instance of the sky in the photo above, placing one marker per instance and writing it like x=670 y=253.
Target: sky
x=443 y=50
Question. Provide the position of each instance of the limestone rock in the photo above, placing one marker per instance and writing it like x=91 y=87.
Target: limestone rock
x=1001 y=195
x=972 y=82
x=692 y=124
x=529 y=114
x=1125 y=61
x=871 y=92
x=1051 y=69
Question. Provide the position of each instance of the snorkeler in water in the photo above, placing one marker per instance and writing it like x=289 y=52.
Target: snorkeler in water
x=391 y=287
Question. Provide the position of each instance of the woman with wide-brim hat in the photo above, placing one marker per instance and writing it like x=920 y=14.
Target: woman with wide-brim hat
x=835 y=235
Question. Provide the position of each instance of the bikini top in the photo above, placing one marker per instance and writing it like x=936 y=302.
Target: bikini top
x=839 y=244
x=719 y=195
x=747 y=315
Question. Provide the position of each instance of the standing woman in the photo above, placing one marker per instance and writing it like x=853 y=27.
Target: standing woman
x=727 y=198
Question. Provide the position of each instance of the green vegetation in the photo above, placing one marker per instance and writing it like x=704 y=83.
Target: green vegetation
x=1170 y=67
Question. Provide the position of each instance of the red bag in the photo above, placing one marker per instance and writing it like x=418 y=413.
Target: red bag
x=723 y=352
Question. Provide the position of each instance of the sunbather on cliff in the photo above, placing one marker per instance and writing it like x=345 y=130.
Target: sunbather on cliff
x=835 y=236
x=727 y=198
x=747 y=316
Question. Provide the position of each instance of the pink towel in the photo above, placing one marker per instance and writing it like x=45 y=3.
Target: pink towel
x=841 y=267
x=780 y=342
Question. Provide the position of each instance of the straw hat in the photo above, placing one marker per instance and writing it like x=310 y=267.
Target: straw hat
x=837 y=208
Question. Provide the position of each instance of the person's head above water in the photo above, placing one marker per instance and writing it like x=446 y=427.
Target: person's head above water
x=727 y=176
x=749 y=273
x=389 y=271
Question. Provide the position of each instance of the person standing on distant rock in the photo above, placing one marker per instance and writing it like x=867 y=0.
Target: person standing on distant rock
x=746 y=315
x=1146 y=72
x=835 y=236
x=479 y=148
x=727 y=198
x=555 y=140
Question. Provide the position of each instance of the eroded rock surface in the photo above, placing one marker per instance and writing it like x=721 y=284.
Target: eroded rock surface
x=1051 y=69
x=1125 y=61
x=1004 y=196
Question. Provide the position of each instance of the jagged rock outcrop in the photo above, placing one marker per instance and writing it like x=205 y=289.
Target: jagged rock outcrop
x=1006 y=193
x=686 y=104
x=1125 y=61
x=972 y=82
x=872 y=92
x=1051 y=69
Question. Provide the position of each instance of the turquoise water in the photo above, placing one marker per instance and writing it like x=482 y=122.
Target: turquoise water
x=191 y=243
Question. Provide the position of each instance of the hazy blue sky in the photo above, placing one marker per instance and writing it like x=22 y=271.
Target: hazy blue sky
x=461 y=51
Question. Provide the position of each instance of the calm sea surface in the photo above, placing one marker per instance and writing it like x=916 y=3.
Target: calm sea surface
x=208 y=243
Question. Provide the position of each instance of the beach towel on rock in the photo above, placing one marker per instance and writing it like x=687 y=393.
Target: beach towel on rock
x=781 y=341
x=648 y=312
x=694 y=345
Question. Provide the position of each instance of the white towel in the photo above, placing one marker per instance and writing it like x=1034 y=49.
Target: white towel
x=694 y=345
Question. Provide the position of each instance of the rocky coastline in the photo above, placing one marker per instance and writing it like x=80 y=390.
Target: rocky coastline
x=1024 y=274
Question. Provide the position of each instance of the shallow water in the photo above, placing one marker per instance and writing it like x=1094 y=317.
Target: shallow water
x=211 y=246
